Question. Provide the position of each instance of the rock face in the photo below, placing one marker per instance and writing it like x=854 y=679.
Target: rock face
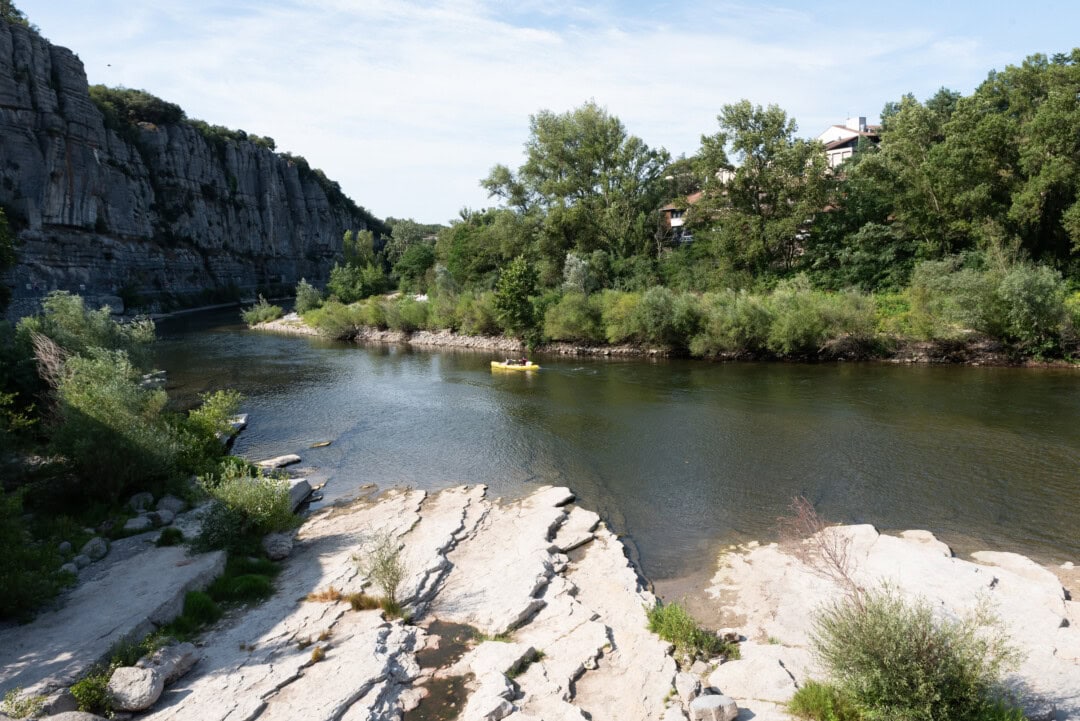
x=158 y=210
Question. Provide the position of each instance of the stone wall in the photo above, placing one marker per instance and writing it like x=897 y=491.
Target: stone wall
x=162 y=213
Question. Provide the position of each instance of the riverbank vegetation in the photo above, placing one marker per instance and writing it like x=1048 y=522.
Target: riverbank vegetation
x=954 y=222
x=83 y=426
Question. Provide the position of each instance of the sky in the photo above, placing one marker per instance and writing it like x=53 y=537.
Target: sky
x=409 y=103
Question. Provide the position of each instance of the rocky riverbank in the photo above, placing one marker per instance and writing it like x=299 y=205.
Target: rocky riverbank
x=523 y=610
x=974 y=352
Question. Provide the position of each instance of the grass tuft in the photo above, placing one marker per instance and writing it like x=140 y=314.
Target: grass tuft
x=362 y=602
x=328 y=595
x=672 y=623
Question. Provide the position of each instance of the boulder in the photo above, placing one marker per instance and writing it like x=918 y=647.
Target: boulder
x=141 y=501
x=138 y=524
x=95 y=549
x=59 y=702
x=299 y=490
x=81 y=560
x=70 y=568
x=161 y=518
x=171 y=503
x=688 y=686
x=673 y=713
x=171 y=662
x=762 y=678
x=64 y=548
x=713 y=708
x=76 y=716
x=277 y=545
x=135 y=689
x=279 y=461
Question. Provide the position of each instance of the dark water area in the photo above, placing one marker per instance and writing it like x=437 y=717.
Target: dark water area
x=680 y=455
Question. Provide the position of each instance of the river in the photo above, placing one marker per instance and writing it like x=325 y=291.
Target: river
x=682 y=456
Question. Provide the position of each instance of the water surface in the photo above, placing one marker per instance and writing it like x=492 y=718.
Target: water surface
x=680 y=455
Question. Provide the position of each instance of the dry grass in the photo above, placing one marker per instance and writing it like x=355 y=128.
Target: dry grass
x=329 y=595
x=325 y=635
x=317 y=654
x=363 y=602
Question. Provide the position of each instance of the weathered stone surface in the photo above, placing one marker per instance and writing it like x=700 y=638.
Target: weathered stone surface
x=160 y=518
x=64 y=548
x=139 y=523
x=713 y=708
x=687 y=685
x=277 y=546
x=577 y=530
x=279 y=461
x=299 y=490
x=95 y=549
x=126 y=600
x=759 y=678
x=172 y=662
x=75 y=716
x=81 y=561
x=171 y=503
x=70 y=568
x=134 y=689
x=58 y=702
x=143 y=501
x=769 y=592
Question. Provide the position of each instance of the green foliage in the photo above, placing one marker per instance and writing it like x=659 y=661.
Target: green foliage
x=575 y=317
x=823 y=702
x=898 y=659
x=111 y=430
x=246 y=505
x=476 y=314
x=17 y=706
x=307 y=297
x=405 y=313
x=29 y=569
x=671 y=622
x=350 y=283
x=91 y=693
x=733 y=322
x=335 y=319
x=170 y=536
x=200 y=608
x=66 y=321
x=380 y=560
x=618 y=312
x=12 y=14
x=261 y=312
x=126 y=106
x=245 y=588
x=413 y=266
x=513 y=297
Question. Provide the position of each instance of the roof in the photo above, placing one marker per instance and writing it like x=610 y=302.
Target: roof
x=688 y=200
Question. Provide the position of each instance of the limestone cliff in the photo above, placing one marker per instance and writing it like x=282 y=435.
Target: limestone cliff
x=159 y=211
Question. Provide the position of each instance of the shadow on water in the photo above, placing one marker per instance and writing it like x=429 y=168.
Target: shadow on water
x=680 y=455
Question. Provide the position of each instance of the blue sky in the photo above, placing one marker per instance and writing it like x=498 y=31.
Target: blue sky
x=408 y=103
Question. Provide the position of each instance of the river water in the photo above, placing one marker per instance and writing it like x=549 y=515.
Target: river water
x=680 y=455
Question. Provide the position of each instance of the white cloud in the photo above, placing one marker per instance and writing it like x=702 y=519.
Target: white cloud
x=409 y=103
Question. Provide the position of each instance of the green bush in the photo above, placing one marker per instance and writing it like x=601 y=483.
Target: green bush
x=671 y=622
x=204 y=428
x=1033 y=297
x=16 y=705
x=476 y=314
x=200 y=608
x=112 y=431
x=335 y=320
x=29 y=569
x=246 y=505
x=351 y=283
x=732 y=322
x=823 y=702
x=307 y=297
x=574 y=318
x=654 y=316
x=897 y=659
x=66 y=321
x=618 y=311
x=170 y=536
x=244 y=588
x=799 y=326
x=91 y=693
x=261 y=312
x=405 y=313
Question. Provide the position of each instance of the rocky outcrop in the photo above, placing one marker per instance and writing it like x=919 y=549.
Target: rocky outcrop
x=771 y=592
x=161 y=211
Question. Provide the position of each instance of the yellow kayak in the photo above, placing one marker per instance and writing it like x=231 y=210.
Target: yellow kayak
x=504 y=366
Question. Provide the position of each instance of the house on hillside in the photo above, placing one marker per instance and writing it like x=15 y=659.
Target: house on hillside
x=674 y=218
x=841 y=141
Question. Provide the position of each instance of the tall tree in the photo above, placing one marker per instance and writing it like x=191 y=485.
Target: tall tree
x=593 y=184
x=760 y=217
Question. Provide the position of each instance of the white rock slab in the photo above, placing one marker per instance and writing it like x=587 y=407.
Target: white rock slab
x=279 y=461
x=577 y=530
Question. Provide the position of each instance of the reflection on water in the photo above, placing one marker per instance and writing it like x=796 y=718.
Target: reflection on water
x=680 y=455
